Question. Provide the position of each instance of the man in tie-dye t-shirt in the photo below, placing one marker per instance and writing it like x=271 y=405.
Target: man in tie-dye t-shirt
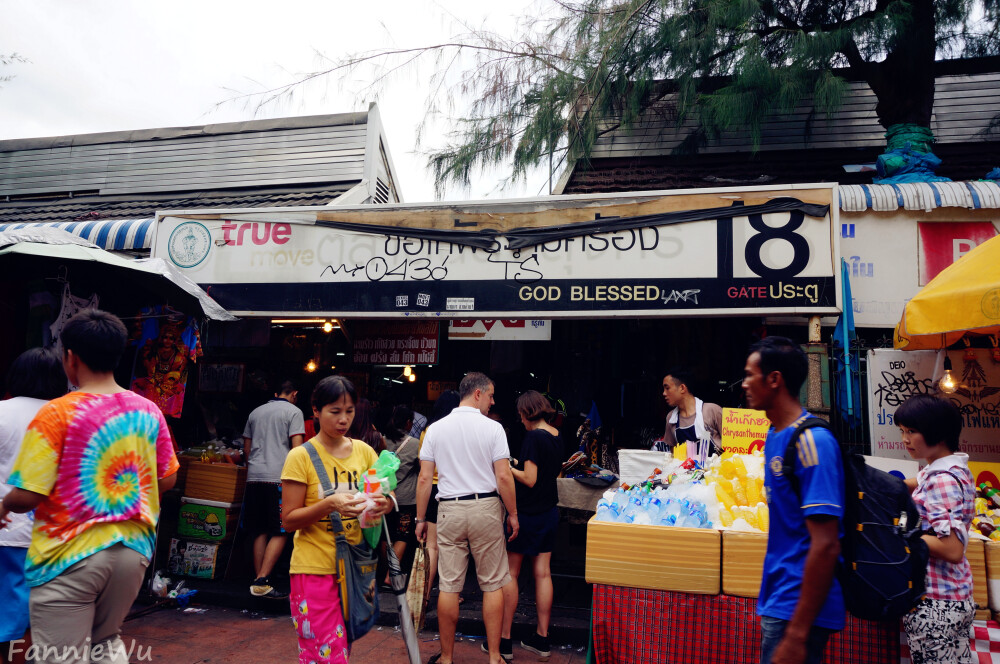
x=92 y=465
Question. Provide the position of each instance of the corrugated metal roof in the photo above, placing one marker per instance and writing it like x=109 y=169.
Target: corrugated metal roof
x=964 y=108
x=315 y=151
x=975 y=195
x=98 y=208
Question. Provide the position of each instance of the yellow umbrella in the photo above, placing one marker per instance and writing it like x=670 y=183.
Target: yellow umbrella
x=963 y=298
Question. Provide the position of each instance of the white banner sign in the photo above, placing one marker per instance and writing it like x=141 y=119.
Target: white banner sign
x=777 y=260
x=895 y=375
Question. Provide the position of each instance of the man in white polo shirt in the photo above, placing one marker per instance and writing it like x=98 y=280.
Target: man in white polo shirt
x=470 y=454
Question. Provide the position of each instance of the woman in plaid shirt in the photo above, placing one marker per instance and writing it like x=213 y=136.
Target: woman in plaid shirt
x=944 y=492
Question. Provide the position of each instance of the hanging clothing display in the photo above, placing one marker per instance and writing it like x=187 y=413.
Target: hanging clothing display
x=167 y=342
x=71 y=305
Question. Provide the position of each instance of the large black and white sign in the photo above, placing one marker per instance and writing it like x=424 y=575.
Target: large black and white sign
x=778 y=258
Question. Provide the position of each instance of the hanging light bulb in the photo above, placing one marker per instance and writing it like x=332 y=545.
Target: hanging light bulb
x=947 y=384
x=413 y=377
x=328 y=327
x=311 y=366
x=408 y=371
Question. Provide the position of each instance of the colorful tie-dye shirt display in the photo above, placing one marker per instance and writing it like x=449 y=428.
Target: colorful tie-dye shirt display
x=97 y=458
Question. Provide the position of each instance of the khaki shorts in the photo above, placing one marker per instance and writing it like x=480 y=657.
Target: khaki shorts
x=476 y=527
x=81 y=611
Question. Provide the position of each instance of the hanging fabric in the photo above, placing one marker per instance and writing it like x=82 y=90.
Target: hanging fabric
x=167 y=342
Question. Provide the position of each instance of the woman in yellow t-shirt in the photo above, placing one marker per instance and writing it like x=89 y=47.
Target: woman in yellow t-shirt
x=314 y=597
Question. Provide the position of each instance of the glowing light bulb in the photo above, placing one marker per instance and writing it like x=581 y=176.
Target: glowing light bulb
x=328 y=327
x=413 y=377
x=947 y=384
x=311 y=366
x=407 y=371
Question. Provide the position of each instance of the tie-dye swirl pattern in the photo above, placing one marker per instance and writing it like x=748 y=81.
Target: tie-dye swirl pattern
x=97 y=458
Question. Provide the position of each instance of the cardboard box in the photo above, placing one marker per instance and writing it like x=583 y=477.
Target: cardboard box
x=975 y=552
x=742 y=562
x=656 y=557
x=219 y=482
x=993 y=575
x=192 y=558
x=207 y=519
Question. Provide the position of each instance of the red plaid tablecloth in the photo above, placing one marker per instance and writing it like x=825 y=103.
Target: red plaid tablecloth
x=636 y=626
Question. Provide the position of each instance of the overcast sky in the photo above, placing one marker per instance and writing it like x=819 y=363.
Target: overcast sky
x=103 y=65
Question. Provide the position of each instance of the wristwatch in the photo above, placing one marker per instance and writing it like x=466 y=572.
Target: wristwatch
x=420 y=520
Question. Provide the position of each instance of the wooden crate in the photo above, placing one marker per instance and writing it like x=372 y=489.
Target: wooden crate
x=975 y=552
x=656 y=557
x=221 y=482
x=742 y=562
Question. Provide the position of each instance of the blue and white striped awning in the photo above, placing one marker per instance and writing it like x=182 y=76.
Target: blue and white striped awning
x=973 y=195
x=110 y=234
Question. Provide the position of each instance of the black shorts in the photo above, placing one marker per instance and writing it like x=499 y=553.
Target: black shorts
x=262 y=509
x=402 y=524
x=536 y=533
x=432 y=505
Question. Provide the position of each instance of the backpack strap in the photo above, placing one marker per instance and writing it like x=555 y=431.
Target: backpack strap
x=325 y=484
x=788 y=461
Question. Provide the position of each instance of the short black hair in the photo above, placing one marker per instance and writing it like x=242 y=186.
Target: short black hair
x=37 y=373
x=938 y=420
x=682 y=376
x=533 y=406
x=287 y=387
x=331 y=389
x=446 y=402
x=472 y=382
x=783 y=355
x=395 y=429
x=97 y=338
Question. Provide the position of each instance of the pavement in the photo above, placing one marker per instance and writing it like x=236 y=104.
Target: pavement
x=202 y=633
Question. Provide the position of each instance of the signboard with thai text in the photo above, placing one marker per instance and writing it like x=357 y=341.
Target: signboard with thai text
x=699 y=256
x=744 y=430
x=895 y=375
x=395 y=342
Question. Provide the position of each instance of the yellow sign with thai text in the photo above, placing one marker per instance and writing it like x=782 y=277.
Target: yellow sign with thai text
x=744 y=430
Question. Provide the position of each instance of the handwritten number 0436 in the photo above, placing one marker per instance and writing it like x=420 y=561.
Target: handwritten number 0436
x=377 y=268
x=800 y=246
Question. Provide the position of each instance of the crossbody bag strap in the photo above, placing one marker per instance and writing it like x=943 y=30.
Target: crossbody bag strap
x=325 y=484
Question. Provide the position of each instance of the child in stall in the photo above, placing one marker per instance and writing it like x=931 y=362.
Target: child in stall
x=314 y=597
x=944 y=492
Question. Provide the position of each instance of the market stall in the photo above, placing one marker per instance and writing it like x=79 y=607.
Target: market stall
x=658 y=585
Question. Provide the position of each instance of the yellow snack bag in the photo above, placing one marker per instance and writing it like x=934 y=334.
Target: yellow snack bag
x=739 y=492
x=725 y=498
x=739 y=468
x=763 y=517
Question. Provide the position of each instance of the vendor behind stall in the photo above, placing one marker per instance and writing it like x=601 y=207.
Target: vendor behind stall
x=690 y=418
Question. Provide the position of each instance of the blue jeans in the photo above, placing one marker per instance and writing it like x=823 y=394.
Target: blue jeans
x=772 y=629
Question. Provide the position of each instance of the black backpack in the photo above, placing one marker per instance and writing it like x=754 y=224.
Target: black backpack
x=884 y=558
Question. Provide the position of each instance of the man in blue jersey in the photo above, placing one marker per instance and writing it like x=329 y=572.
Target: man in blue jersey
x=800 y=603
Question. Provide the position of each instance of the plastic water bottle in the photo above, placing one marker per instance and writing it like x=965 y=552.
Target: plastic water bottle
x=372 y=489
x=606 y=511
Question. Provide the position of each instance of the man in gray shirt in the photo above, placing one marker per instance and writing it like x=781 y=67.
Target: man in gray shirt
x=272 y=430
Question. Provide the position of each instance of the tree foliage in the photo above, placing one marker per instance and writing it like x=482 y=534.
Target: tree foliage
x=597 y=65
